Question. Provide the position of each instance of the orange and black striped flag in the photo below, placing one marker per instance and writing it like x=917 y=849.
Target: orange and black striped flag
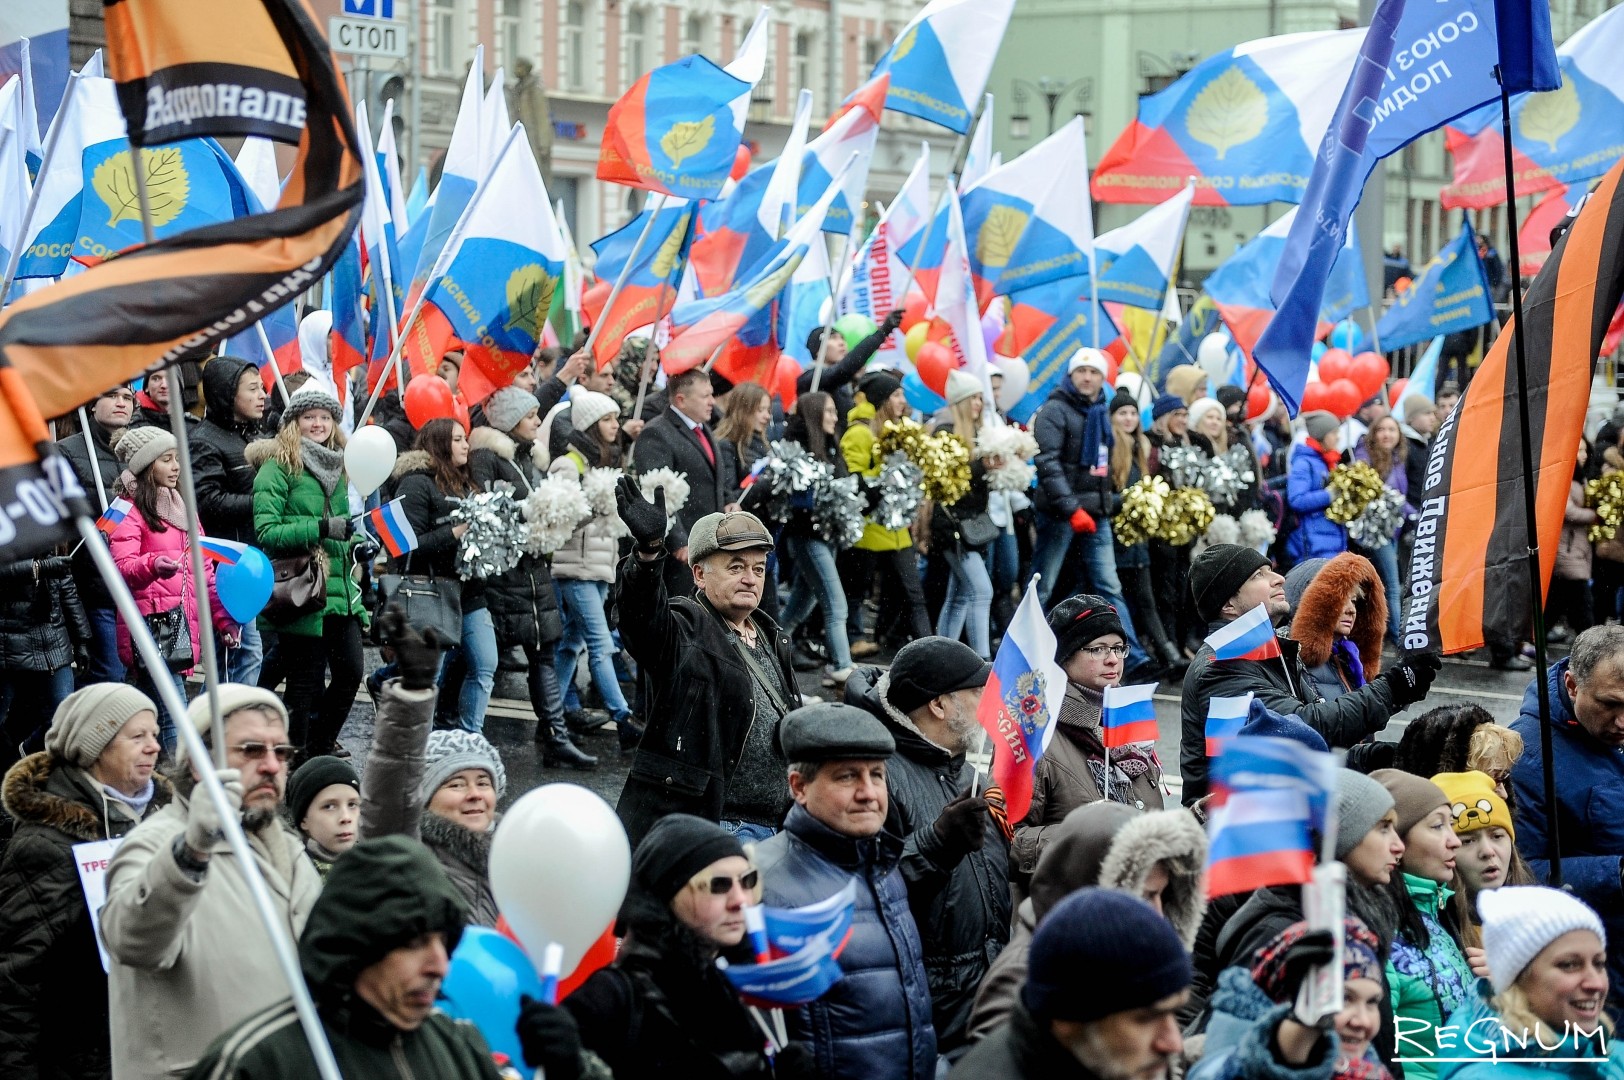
x=184 y=69
x=1468 y=581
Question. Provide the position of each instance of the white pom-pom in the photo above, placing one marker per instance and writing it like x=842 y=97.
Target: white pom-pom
x=553 y=510
x=1257 y=530
x=674 y=483
x=1006 y=441
x=1223 y=530
x=598 y=485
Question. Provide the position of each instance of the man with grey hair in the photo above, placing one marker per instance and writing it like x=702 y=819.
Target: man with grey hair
x=1586 y=691
x=717 y=673
x=189 y=955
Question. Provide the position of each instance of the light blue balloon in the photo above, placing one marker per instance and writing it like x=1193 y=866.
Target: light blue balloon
x=1319 y=350
x=920 y=396
x=1349 y=336
x=488 y=974
x=245 y=586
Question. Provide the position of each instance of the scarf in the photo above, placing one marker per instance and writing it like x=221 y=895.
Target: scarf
x=1080 y=722
x=1332 y=458
x=171 y=508
x=1344 y=649
x=1097 y=437
x=136 y=804
x=327 y=466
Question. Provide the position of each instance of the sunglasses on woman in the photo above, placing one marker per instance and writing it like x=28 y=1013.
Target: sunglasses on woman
x=722 y=884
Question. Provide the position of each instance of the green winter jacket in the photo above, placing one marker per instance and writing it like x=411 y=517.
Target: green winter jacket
x=1427 y=986
x=288 y=515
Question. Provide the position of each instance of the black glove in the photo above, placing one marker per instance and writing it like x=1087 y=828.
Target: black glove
x=892 y=320
x=364 y=551
x=645 y=520
x=962 y=824
x=1411 y=678
x=336 y=528
x=57 y=566
x=417 y=654
x=549 y=1038
x=797 y=1061
x=81 y=659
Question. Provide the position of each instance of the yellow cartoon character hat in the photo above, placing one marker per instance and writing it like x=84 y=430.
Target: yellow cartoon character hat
x=1474 y=802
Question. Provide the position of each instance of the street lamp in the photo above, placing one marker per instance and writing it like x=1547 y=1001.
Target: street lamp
x=1053 y=92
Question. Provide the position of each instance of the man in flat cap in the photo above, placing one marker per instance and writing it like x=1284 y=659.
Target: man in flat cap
x=717 y=674
x=1226 y=582
x=955 y=852
x=876 y=1021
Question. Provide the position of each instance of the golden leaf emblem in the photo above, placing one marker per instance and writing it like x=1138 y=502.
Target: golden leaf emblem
x=687 y=138
x=1547 y=117
x=1231 y=110
x=529 y=297
x=168 y=186
x=904 y=44
x=665 y=260
x=999 y=234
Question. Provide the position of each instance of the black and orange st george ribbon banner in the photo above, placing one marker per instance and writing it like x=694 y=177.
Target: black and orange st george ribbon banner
x=1468 y=581
x=184 y=69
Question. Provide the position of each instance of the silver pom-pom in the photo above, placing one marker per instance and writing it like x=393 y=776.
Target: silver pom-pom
x=1257 y=531
x=837 y=511
x=1185 y=466
x=901 y=490
x=1380 y=521
x=494 y=541
x=676 y=490
x=553 y=510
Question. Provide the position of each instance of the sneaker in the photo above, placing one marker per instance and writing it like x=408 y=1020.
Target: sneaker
x=864 y=648
x=832 y=678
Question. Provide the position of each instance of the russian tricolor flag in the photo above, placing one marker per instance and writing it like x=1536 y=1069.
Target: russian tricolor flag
x=1021 y=703
x=393 y=530
x=1260 y=763
x=1250 y=637
x=114 y=515
x=1129 y=715
x=1225 y=718
x=793 y=980
x=221 y=551
x=1256 y=839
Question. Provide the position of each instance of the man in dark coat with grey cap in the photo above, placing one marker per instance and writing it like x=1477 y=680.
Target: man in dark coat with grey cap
x=1227 y=581
x=875 y=1023
x=955 y=854
x=717 y=669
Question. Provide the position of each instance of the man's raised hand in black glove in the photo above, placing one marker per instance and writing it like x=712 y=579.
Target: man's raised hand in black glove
x=962 y=825
x=549 y=1038
x=645 y=520
x=1411 y=678
x=893 y=320
x=417 y=654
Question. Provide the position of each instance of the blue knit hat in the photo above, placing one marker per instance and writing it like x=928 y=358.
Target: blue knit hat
x=1262 y=720
x=1165 y=404
x=1098 y=952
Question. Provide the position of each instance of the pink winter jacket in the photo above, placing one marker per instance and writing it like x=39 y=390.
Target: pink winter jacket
x=136 y=547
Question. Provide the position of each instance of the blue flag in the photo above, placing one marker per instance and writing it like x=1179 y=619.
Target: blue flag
x=1527 y=53
x=1451 y=294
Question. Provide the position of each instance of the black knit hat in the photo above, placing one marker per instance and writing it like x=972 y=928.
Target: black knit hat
x=675 y=849
x=310 y=778
x=1229 y=395
x=1099 y=952
x=933 y=666
x=1218 y=574
x=1080 y=619
x=878 y=386
x=1122 y=399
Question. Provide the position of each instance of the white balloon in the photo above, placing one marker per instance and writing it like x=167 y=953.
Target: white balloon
x=1016 y=380
x=560 y=864
x=368 y=458
x=1212 y=357
x=1133 y=383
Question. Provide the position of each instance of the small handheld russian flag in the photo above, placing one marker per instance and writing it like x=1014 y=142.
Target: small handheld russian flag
x=114 y=515
x=1225 y=718
x=1259 y=838
x=1250 y=637
x=393 y=530
x=1262 y=763
x=1129 y=715
x=221 y=551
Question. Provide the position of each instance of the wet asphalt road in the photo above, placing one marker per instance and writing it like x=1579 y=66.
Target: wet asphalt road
x=511 y=724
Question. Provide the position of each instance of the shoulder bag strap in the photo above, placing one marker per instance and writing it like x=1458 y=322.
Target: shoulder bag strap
x=757 y=674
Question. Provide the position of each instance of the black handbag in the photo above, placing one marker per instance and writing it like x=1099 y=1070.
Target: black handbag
x=977 y=530
x=173 y=635
x=427 y=601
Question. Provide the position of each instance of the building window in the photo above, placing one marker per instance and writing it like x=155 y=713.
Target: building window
x=636 y=45
x=445 y=32
x=575 y=51
x=693 y=35
x=802 y=72
x=873 y=49
x=510 y=19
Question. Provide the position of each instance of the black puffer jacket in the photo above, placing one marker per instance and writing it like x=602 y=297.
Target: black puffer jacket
x=429 y=511
x=1065 y=480
x=522 y=602
x=225 y=483
x=53 y=992
x=961 y=903
x=946 y=521
x=81 y=451
x=41 y=618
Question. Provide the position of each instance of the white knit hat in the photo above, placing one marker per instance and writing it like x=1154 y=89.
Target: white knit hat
x=1086 y=357
x=139 y=447
x=1200 y=407
x=1519 y=921
x=587 y=407
x=961 y=386
x=233 y=696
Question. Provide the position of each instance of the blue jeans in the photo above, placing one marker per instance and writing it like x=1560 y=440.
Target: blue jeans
x=1096 y=553
x=748 y=831
x=28 y=701
x=478 y=650
x=817 y=581
x=1005 y=555
x=243 y=662
x=1385 y=559
x=586 y=627
x=105 y=666
x=969 y=601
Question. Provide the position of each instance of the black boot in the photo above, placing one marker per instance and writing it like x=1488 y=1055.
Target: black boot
x=558 y=752
x=1175 y=661
x=631 y=733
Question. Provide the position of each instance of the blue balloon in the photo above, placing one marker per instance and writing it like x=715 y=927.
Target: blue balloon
x=245 y=586
x=920 y=396
x=1349 y=336
x=488 y=974
x=1319 y=350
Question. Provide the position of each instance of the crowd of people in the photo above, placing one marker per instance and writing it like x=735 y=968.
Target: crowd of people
x=1077 y=940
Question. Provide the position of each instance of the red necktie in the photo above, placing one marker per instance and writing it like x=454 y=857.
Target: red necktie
x=705 y=445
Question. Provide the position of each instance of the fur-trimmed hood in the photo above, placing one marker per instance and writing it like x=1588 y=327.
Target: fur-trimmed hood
x=40 y=791
x=1313 y=625
x=259 y=452
x=411 y=461
x=488 y=438
x=1176 y=840
x=466 y=846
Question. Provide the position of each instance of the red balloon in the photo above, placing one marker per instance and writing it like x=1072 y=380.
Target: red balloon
x=1345 y=398
x=1335 y=364
x=1316 y=398
x=1369 y=371
x=783 y=381
x=933 y=363
x=459 y=413
x=1396 y=391
x=1257 y=399
x=428 y=397
x=741 y=162
x=913 y=310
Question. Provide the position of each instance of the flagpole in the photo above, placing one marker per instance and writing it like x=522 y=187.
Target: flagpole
x=276 y=368
x=960 y=150
x=46 y=153
x=188 y=491
x=647 y=374
x=90 y=451
x=656 y=204
x=837 y=281
x=1553 y=845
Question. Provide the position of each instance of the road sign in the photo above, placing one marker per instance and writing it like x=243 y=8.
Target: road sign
x=366 y=37
x=372 y=9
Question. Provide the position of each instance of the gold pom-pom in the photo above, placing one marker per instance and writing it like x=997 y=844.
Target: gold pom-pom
x=904 y=435
x=1188 y=514
x=1352 y=488
x=1605 y=495
x=1143 y=504
x=942 y=457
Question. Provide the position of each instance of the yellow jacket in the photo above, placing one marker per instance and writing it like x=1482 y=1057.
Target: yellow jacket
x=861 y=449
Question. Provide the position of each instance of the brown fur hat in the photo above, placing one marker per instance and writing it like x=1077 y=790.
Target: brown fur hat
x=1313 y=626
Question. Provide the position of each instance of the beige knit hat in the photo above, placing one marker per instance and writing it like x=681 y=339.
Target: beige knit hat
x=139 y=447
x=233 y=696
x=88 y=719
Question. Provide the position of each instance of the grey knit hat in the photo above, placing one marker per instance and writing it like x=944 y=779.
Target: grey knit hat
x=310 y=396
x=587 y=407
x=1319 y=424
x=139 y=447
x=450 y=752
x=88 y=719
x=233 y=696
x=1360 y=803
x=505 y=408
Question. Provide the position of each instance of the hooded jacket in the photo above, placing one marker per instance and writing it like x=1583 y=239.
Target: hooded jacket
x=223 y=477
x=1329 y=659
x=1590 y=802
x=1114 y=846
x=1316 y=535
x=53 y=991
x=1065 y=481
x=1600 y=1060
x=875 y=1022
x=961 y=903
x=289 y=510
x=522 y=602
x=1426 y=986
